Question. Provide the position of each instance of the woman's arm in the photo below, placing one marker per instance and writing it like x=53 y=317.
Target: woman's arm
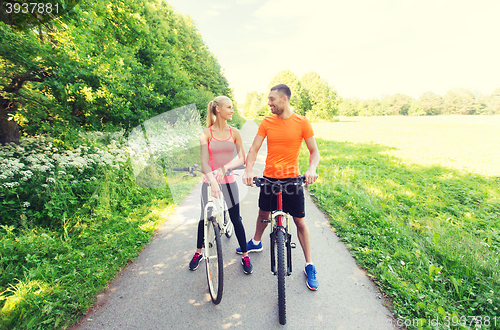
x=204 y=155
x=239 y=148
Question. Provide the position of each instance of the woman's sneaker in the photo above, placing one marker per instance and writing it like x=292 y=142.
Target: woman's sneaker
x=247 y=265
x=251 y=247
x=195 y=262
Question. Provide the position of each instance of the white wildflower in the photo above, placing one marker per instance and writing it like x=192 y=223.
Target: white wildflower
x=26 y=204
x=50 y=180
x=26 y=174
x=10 y=185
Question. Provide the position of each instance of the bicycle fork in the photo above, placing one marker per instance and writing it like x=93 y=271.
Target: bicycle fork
x=288 y=243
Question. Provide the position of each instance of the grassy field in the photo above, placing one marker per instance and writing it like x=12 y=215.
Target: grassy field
x=417 y=201
x=466 y=143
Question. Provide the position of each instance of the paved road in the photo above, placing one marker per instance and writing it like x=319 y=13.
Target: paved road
x=158 y=291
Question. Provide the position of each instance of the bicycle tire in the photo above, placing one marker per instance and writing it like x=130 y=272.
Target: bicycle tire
x=213 y=260
x=282 y=272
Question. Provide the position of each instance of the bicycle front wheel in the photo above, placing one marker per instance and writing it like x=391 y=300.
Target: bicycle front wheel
x=281 y=265
x=213 y=260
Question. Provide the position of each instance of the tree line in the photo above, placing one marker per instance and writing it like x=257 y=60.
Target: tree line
x=311 y=97
x=105 y=65
x=459 y=101
x=314 y=98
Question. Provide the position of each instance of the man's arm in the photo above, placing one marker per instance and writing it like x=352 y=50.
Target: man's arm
x=251 y=158
x=311 y=175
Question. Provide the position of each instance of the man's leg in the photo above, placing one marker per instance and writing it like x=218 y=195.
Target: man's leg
x=309 y=270
x=260 y=226
x=303 y=235
x=254 y=245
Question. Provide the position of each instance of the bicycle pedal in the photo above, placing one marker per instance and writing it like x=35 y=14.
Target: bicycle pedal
x=293 y=245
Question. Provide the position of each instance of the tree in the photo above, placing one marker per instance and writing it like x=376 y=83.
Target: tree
x=105 y=64
x=289 y=78
x=493 y=103
x=256 y=105
x=460 y=101
x=348 y=107
x=416 y=108
x=320 y=96
x=397 y=104
x=431 y=103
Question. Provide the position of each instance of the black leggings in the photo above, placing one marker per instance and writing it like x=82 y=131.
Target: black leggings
x=230 y=192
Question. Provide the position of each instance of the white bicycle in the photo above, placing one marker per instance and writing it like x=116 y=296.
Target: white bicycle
x=216 y=223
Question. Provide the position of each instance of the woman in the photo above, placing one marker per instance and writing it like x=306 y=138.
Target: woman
x=220 y=144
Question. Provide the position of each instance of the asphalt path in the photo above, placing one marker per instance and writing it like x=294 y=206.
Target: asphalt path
x=158 y=291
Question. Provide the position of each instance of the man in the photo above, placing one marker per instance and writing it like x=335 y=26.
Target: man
x=285 y=131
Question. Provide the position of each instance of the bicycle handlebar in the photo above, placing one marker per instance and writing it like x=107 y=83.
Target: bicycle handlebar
x=195 y=168
x=180 y=168
x=296 y=181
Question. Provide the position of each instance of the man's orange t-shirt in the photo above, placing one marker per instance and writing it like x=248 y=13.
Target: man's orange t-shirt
x=284 y=138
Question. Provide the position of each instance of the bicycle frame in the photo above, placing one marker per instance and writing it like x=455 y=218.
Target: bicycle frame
x=216 y=207
x=277 y=223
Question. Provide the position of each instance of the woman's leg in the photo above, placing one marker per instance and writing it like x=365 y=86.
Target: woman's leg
x=231 y=196
x=197 y=257
x=201 y=232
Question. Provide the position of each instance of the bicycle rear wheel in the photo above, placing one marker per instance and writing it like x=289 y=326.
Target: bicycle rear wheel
x=213 y=260
x=281 y=265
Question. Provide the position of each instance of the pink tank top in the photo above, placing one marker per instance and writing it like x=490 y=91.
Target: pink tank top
x=220 y=153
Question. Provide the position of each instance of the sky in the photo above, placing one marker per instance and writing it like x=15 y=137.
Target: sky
x=361 y=48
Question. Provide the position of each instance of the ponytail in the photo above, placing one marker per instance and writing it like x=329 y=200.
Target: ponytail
x=211 y=113
x=212 y=108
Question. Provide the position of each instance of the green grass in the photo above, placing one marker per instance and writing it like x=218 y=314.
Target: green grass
x=428 y=235
x=73 y=237
x=238 y=121
x=51 y=275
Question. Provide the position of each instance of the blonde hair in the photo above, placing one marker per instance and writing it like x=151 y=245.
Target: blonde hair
x=211 y=109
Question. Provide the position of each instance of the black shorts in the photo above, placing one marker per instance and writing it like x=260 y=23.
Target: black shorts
x=293 y=200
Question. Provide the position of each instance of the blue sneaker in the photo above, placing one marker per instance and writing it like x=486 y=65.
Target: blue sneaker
x=251 y=247
x=312 y=280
